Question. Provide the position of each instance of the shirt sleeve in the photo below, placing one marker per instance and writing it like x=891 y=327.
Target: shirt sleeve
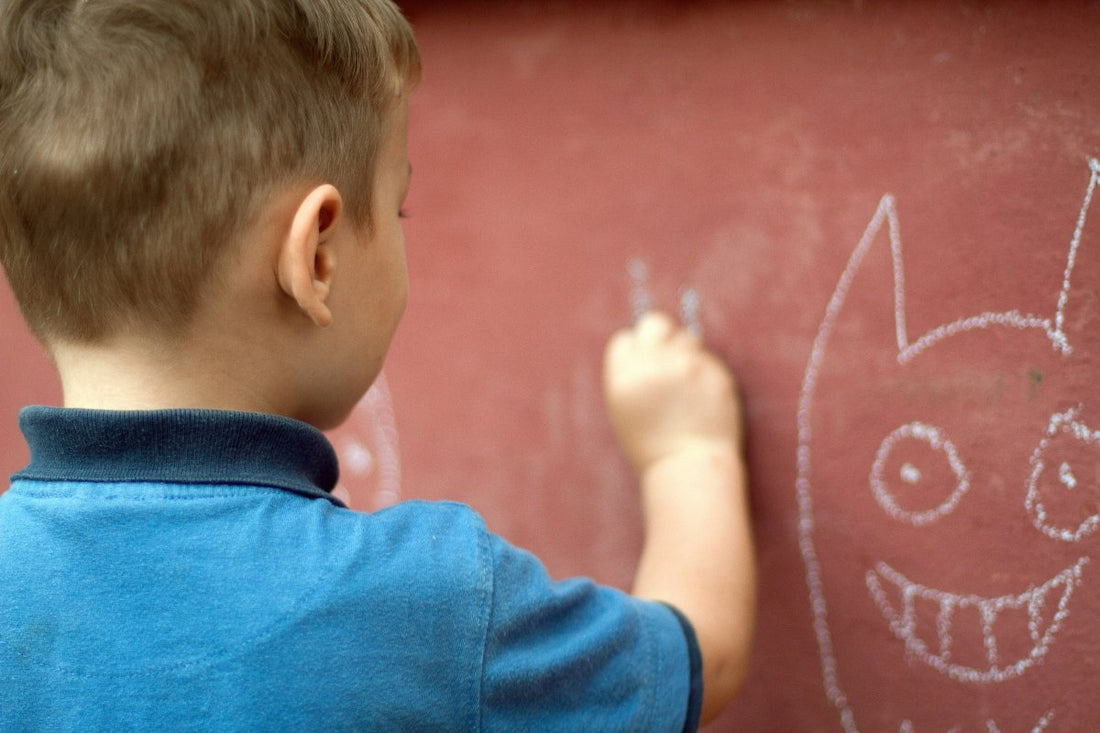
x=574 y=655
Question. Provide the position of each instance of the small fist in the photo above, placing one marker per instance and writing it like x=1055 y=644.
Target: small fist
x=667 y=393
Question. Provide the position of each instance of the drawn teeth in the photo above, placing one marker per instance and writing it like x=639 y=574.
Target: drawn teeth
x=1012 y=632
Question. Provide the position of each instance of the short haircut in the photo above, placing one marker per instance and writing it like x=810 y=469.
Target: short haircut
x=139 y=137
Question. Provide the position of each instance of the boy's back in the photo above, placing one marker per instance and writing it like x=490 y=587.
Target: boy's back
x=237 y=597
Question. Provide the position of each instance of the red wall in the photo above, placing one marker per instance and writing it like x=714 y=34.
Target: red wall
x=924 y=506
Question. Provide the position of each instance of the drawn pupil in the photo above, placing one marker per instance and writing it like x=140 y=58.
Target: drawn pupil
x=909 y=473
x=1065 y=475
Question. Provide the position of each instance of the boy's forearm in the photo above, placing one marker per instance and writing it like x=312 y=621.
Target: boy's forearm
x=698 y=556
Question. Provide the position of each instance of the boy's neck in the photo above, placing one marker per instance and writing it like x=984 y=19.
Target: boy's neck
x=143 y=376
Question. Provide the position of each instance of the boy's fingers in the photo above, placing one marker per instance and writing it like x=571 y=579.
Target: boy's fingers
x=690 y=337
x=655 y=326
x=654 y=329
x=658 y=327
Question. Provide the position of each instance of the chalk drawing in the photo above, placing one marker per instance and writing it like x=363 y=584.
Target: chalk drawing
x=1065 y=475
x=990 y=725
x=903 y=621
x=641 y=298
x=884 y=582
x=367 y=446
x=1062 y=424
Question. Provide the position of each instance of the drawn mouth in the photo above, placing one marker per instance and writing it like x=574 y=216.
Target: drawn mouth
x=1016 y=630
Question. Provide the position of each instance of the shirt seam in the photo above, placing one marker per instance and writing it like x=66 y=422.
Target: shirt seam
x=199 y=491
x=39 y=489
x=488 y=599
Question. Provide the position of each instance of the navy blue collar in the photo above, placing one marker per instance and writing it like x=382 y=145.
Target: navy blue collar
x=178 y=446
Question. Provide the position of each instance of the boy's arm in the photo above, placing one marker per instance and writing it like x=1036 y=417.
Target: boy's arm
x=675 y=410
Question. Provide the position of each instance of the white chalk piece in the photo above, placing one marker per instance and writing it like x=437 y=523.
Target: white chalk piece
x=689 y=311
x=641 y=301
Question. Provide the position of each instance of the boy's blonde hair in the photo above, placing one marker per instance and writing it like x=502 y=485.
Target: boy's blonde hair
x=138 y=137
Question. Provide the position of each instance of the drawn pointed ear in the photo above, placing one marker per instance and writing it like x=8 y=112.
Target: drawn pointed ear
x=872 y=288
x=1076 y=314
x=306 y=258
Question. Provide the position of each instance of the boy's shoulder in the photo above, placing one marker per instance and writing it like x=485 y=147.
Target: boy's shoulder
x=443 y=534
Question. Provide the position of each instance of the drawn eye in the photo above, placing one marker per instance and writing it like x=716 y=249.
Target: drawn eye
x=917 y=476
x=1062 y=497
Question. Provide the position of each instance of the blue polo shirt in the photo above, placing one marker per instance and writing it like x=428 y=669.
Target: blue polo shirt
x=190 y=570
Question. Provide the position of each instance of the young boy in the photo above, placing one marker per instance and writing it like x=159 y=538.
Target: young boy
x=200 y=218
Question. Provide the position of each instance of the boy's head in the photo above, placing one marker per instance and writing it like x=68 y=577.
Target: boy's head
x=139 y=138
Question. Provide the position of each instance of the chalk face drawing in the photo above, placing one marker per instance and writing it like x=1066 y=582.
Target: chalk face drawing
x=366 y=445
x=954 y=566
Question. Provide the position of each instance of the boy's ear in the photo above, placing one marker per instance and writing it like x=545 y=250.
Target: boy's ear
x=306 y=257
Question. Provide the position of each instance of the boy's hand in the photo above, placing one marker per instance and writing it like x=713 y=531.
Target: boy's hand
x=667 y=394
